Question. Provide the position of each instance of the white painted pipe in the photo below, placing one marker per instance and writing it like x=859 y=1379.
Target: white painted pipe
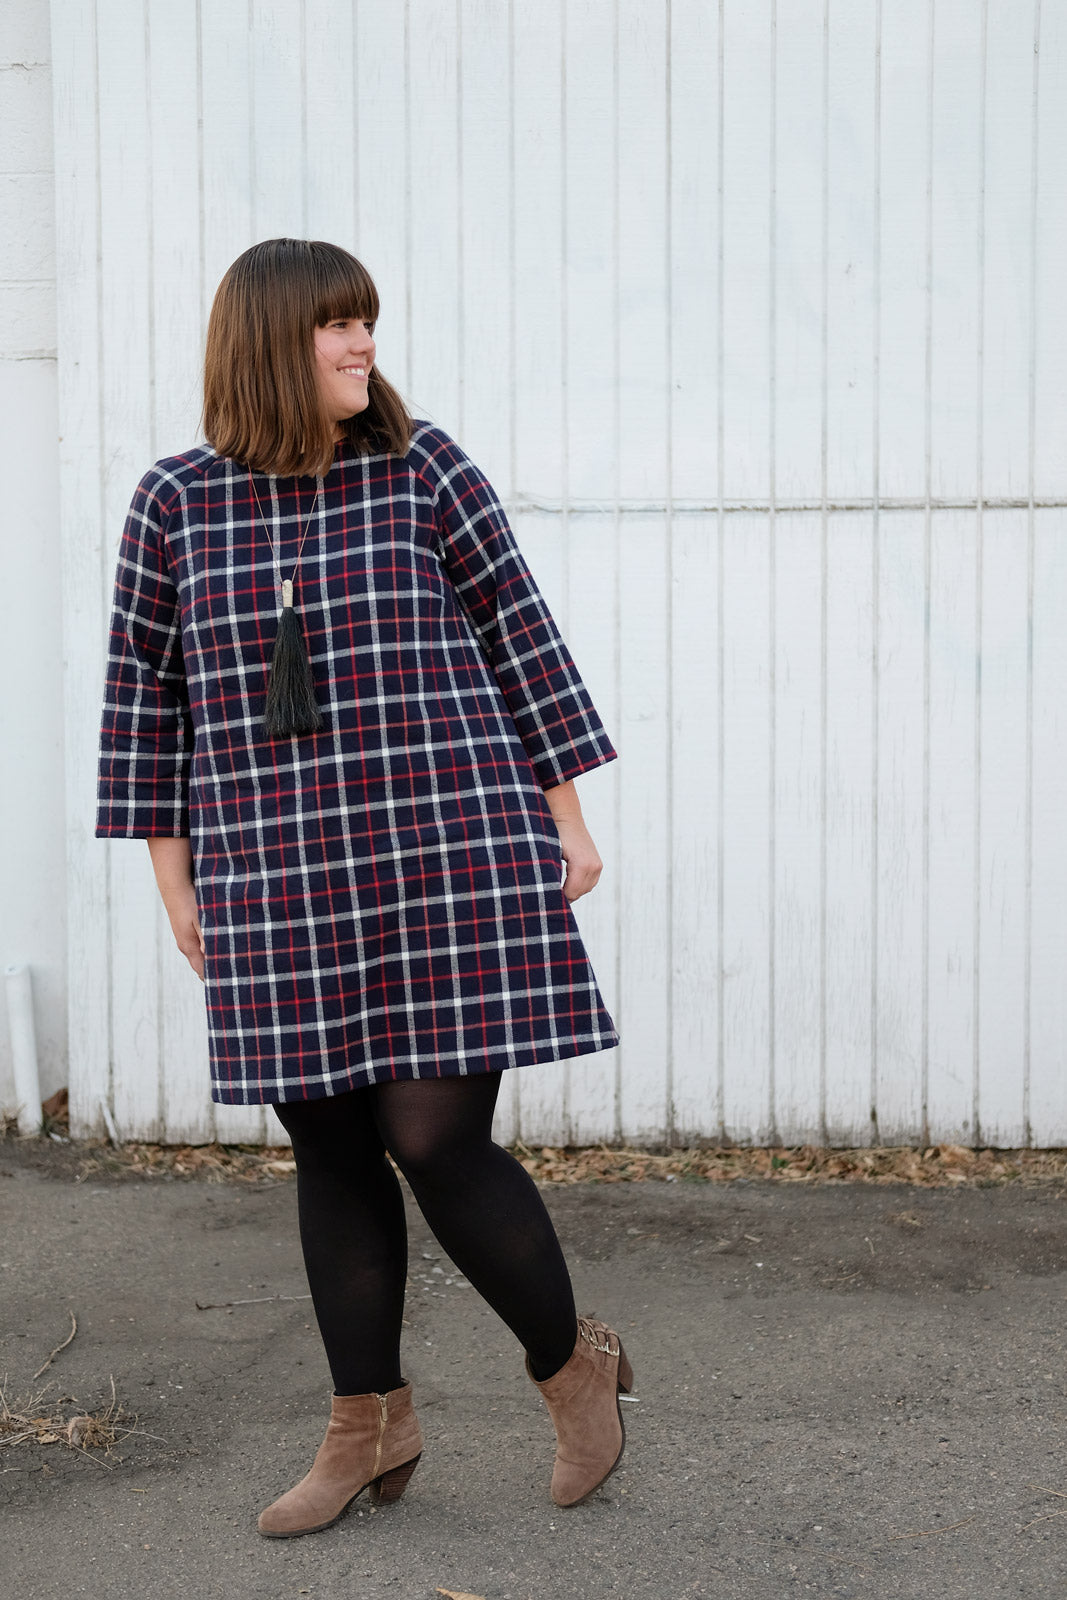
x=109 y=1122
x=23 y=1034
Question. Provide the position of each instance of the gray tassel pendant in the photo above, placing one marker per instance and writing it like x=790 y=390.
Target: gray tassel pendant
x=291 y=705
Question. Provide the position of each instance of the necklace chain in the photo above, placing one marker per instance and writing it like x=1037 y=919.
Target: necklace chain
x=266 y=529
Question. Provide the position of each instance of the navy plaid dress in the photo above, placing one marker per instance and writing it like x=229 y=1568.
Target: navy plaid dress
x=383 y=898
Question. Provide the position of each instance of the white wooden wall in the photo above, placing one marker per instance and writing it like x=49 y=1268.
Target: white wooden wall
x=754 y=313
x=32 y=811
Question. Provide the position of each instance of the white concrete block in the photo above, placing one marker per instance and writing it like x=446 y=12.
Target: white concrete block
x=24 y=32
x=25 y=119
x=27 y=227
x=27 y=320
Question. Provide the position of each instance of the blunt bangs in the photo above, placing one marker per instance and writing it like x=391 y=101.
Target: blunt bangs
x=340 y=286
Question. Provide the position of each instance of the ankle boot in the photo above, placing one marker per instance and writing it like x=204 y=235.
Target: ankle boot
x=583 y=1402
x=371 y=1439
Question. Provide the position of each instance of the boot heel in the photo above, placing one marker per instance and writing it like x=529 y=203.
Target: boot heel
x=626 y=1372
x=391 y=1485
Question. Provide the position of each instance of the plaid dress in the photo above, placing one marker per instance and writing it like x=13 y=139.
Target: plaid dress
x=383 y=898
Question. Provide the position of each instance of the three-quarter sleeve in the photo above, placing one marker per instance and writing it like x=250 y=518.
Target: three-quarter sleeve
x=550 y=705
x=146 y=734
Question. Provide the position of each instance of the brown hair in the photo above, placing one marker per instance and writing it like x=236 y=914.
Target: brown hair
x=262 y=404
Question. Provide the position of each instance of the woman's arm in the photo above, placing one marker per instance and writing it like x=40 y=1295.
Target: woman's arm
x=535 y=672
x=584 y=865
x=172 y=862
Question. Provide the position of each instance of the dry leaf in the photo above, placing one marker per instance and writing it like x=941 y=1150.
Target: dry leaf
x=57 y=1105
x=932 y=1167
x=460 y=1594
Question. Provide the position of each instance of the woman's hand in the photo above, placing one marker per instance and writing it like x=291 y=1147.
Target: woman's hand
x=172 y=862
x=584 y=865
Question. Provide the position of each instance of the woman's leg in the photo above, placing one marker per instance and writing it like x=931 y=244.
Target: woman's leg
x=483 y=1207
x=354 y=1237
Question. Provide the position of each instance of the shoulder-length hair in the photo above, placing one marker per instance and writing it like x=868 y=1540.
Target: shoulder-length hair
x=262 y=403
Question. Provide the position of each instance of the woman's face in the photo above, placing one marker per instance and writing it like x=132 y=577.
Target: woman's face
x=344 y=353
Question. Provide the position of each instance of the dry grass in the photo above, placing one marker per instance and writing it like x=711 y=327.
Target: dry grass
x=218 y=1163
x=43 y=1417
x=939 y=1166
x=935 y=1167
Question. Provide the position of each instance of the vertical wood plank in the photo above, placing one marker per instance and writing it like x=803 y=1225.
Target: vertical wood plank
x=850 y=830
x=746 y=822
x=591 y=266
x=797 y=825
x=173 y=100
x=644 y=298
x=226 y=186
x=1047 y=932
x=1006 y=264
x=1002 y=791
x=592 y=634
x=277 y=128
x=435 y=276
x=1050 y=393
x=487 y=375
x=384 y=156
x=694 y=644
x=537 y=221
x=746 y=248
x=246 y=1124
x=955 y=225
x=332 y=159
x=952 y=821
x=901 y=691
x=799 y=266
x=644 y=1016
x=85 y=554
x=902 y=199
x=694 y=248
x=850 y=234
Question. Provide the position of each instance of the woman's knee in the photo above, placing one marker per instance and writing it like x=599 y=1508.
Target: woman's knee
x=436 y=1128
x=335 y=1129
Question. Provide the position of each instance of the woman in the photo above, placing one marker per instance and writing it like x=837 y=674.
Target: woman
x=359 y=830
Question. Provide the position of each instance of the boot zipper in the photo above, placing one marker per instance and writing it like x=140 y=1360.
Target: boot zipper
x=383 y=1413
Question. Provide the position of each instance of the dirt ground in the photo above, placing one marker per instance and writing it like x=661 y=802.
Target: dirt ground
x=843 y=1389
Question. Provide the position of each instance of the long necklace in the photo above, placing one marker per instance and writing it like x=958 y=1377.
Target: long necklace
x=291 y=706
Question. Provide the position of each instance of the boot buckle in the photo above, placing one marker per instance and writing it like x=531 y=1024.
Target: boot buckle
x=586 y=1330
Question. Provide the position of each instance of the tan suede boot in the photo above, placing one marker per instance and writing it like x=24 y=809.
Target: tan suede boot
x=371 y=1439
x=583 y=1402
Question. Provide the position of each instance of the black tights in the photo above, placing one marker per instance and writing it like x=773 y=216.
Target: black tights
x=482 y=1206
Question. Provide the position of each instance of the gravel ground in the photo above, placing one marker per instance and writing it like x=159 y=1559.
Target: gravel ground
x=843 y=1390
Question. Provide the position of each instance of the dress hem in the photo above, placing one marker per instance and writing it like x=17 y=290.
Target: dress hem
x=529 y=1058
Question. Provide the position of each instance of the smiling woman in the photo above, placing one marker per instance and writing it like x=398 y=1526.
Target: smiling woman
x=265 y=399
x=344 y=351
x=368 y=846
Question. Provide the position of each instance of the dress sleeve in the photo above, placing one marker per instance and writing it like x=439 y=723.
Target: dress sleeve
x=146 y=734
x=551 y=707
